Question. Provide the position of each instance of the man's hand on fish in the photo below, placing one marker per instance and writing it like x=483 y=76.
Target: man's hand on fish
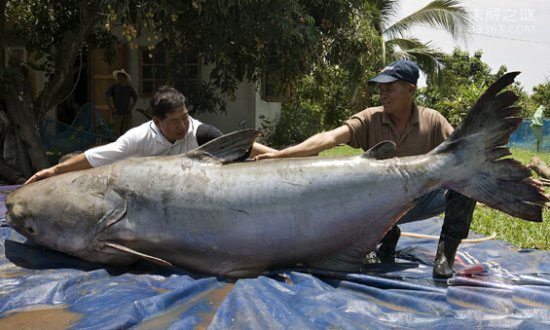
x=268 y=155
x=313 y=145
x=78 y=162
x=43 y=174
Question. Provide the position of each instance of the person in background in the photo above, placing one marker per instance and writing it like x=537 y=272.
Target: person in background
x=172 y=131
x=537 y=125
x=121 y=99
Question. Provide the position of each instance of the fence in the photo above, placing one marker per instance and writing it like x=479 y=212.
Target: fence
x=86 y=130
x=524 y=138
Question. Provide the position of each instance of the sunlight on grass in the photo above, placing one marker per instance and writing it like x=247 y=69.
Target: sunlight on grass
x=343 y=150
x=521 y=233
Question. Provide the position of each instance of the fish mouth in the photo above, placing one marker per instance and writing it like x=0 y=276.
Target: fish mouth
x=8 y=219
x=28 y=230
x=13 y=224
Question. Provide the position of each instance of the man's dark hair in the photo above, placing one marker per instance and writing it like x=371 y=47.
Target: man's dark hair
x=165 y=100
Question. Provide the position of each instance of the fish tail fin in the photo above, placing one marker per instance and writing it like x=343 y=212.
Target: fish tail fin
x=501 y=183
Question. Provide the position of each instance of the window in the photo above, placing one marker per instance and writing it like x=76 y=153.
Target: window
x=153 y=70
x=154 y=67
x=187 y=64
x=17 y=54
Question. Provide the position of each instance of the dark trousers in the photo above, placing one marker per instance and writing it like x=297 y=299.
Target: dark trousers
x=458 y=210
x=123 y=122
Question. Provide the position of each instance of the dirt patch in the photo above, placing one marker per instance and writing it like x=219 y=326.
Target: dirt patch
x=213 y=298
x=43 y=317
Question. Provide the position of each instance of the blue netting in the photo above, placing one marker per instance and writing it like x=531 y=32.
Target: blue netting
x=524 y=138
x=86 y=130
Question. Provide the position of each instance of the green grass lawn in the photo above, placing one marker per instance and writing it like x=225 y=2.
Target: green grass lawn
x=520 y=233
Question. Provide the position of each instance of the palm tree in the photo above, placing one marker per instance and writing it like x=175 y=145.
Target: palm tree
x=397 y=43
x=447 y=15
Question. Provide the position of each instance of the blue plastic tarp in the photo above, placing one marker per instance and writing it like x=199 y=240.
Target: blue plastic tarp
x=498 y=286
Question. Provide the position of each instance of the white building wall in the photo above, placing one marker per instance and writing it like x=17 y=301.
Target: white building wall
x=243 y=109
x=270 y=110
x=240 y=108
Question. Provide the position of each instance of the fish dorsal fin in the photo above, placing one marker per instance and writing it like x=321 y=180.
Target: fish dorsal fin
x=134 y=253
x=226 y=148
x=383 y=150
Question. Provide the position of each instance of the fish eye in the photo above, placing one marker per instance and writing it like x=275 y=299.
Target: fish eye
x=29 y=229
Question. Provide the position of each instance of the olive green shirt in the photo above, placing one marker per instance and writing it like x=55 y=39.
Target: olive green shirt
x=426 y=129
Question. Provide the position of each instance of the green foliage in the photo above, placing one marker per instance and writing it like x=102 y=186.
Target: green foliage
x=460 y=69
x=321 y=101
x=292 y=127
x=527 y=104
x=44 y=24
x=445 y=15
x=465 y=78
x=326 y=96
x=448 y=15
x=397 y=43
x=520 y=233
x=201 y=96
x=241 y=40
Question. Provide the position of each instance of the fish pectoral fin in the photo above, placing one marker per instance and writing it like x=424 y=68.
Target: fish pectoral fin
x=383 y=150
x=117 y=210
x=123 y=249
x=343 y=261
x=226 y=148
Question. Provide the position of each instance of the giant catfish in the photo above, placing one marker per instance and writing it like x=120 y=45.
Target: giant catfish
x=205 y=213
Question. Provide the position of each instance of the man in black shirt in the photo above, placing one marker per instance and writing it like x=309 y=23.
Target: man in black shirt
x=121 y=98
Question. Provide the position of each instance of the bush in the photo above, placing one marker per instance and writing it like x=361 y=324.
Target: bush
x=294 y=126
x=321 y=102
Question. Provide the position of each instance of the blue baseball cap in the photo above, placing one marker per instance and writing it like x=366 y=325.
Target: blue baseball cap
x=398 y=70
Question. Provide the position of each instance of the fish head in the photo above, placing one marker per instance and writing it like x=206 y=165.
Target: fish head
x=64 y=213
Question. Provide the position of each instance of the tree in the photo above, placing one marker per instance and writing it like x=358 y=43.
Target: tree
x=397 y=43
x=331 y=93
x=467 y=77
x=447 y=15
x=241 y=40
x=322 y=98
